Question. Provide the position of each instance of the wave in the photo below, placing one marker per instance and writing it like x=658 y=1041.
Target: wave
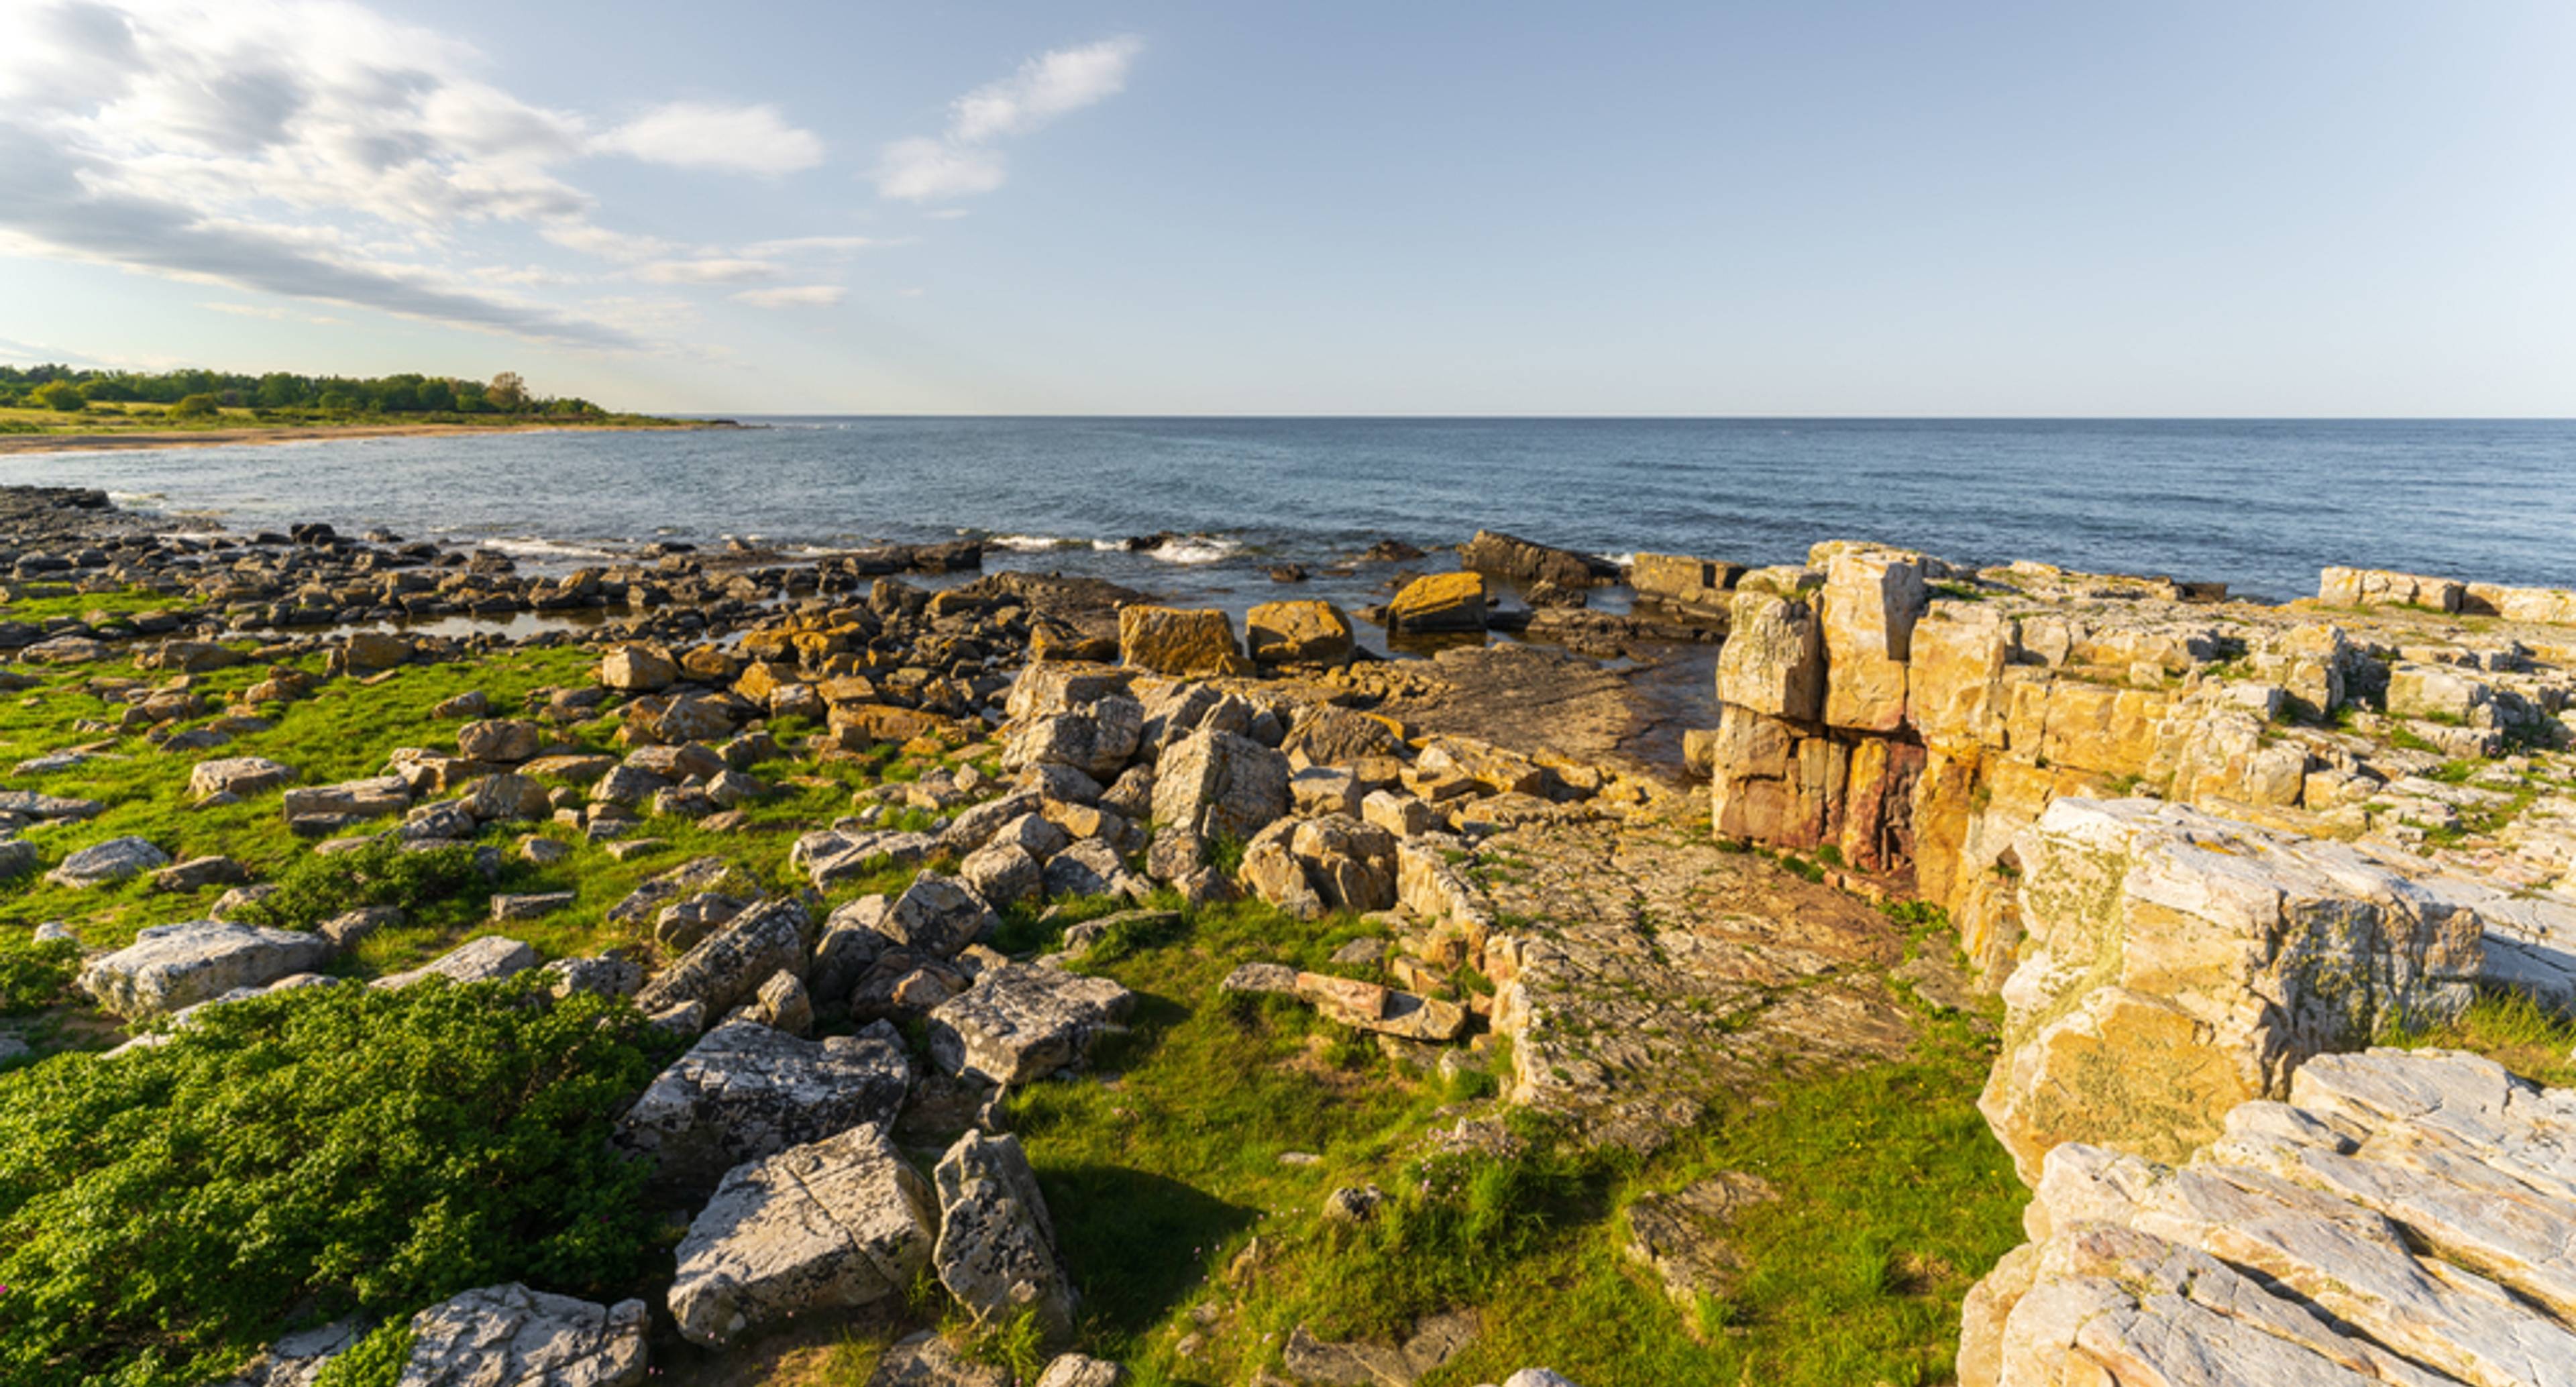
x=1031 y=544
x=545 y=549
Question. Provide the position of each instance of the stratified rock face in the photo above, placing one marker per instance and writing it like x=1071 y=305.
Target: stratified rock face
x=747 y=1091
x=1773 y=662
x=2405 y=1217
x=728 y=966
x=1871 y=601
x=2183 y=964
x=996 y=1250
x=1298 y=633
x=833 y=1224
x=1020 y=1022
x=1184 y=644
x=172 y=966
x=510 y=1336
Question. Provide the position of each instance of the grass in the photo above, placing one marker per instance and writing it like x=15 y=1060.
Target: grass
x=2507 y=1027
x=133 y=416
x=52 y=601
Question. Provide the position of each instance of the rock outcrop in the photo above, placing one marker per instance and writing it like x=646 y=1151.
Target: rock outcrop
x=510 y=1336
x=2404 y=1217
x=168 y=967
x=747 y=1091
x=1021 y=1022
x=2181 y=964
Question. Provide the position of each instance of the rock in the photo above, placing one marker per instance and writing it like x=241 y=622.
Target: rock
x=1522 y=561
x=355 y=799
x=1538 y=1377
x=1021 y=1023
x=476 y=960
x=1773 y=660
x=1433 y=1343
x=938 y=915
x=1368 y=1007
x=996 y=1250
x=1440 y=602
x=1261 y=979
x=1220 y=784
x=728 y=966
x=104 y=864
x=638 y=669
x=297 y=1359
x=1399 y=814
x=1871 y=600
x=510 y=1336
x=28 y=804
x=1096 y=740
x=1681 y=1237
x=1298 y=633
x=237 y=776
x=606 y=976
x=1184 y=644
x=926 y=1360
x=2181 y=964
x=1002 y=873
x=783 y=1004
x=198 y=873
x=747 y=1091
x=530 y=906
x=503 y=741
x=1701 y=587
x=374 y=650
x=2402 y=1218
x=830 y=1225
x=18 y=857
x=168 y=967
x=1075 y=1370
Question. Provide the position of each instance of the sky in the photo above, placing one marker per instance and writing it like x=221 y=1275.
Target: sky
x=2343 y=208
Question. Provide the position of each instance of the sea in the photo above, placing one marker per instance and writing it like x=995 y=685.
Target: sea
x=2258 y=504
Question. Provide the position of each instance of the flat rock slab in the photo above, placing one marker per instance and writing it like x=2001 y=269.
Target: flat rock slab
x=476 y=960
x=727 y=967
x=27 y=804
x=1020 y=1022
x=510 y=1336
x=237 y=775
x=830 y=1225
x=168 y=967
x=926 y=1360
x=747 y=1091
x=103 y=864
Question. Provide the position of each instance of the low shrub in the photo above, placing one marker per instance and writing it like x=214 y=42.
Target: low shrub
x=321 y=886
x=327 y=1150
x=34 y=975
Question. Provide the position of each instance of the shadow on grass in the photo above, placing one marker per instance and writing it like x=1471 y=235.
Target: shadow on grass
x=1138 y=1242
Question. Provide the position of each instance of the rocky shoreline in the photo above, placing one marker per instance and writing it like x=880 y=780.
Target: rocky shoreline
x=902 y=875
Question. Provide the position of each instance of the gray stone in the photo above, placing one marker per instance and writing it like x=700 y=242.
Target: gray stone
x=168 y=967
x=926 y=1360
x=355 y=799
x=105 y=863
x=996 y=1250
x=1002 y=873
x=531 y=906
x=1215 y=783
x=510 y=1336
x=1019 y=1022
x=747 y=1091
x=939 y=915
x=830 y=1225
x=237 y=776
x=1076 y=1370
x=18 y=857
x=728 y=966
x=476 y=960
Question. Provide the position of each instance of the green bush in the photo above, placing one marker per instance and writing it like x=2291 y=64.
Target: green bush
x=328 y=1150
x=374 y=1361
x=60 y=396
x=196 y=407
x=320 y=886
x=34 y=976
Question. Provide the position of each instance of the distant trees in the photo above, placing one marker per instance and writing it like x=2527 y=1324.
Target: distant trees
x=284 y=392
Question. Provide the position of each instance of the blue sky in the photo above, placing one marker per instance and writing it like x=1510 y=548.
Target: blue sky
x=2098 y=209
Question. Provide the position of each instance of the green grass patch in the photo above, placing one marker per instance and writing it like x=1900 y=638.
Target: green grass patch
x=2507 y=1027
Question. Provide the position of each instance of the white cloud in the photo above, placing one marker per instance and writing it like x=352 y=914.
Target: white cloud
x=792 y=296
x=317 y=149
x=815 y=245
x=962 y=161
x=722 y=139
x=713 y=270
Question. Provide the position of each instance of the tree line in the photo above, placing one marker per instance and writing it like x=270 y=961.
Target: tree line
x=201 y=392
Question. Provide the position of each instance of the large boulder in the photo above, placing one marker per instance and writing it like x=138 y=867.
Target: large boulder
x=1096 y=739
x=830 y=1225
x=1440 y=602
x=476 y=960
x=747 y=1091
x=996 y=1250
x=728 y=966
x=502 y=740
x=168 y=967
x=105 y=864
x=510 y=1336
x=1525 y=561
x=1298 y=633
x=2402 y=1218
x=938 y=915
x=237 y=775
x=2181 y=964
x=638 y=669
x=1184 y=644
x=1871 y=601
x=354 y=799
x=1773 y=662
x=1020 y=1022
x=1214 y=783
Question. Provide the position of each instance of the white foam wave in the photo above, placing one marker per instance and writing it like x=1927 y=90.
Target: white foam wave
x=1197 y=549
x=1030 y=544
x=1623 y=560
x=545 y=549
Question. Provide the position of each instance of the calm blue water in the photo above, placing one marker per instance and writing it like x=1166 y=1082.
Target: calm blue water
x=2260 y=505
